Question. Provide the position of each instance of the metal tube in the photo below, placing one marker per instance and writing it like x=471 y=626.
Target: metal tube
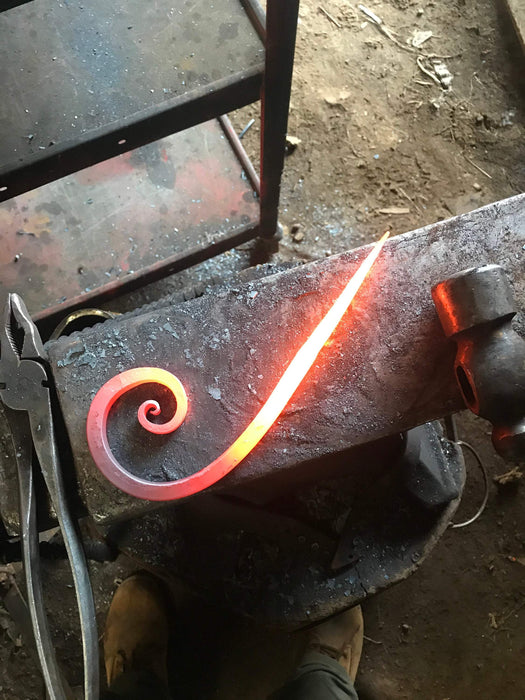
x=281 y=28
x=241 y=154
x=257 y=16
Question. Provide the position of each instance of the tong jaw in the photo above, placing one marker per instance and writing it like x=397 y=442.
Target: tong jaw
x=20 y=331
x=23 y=378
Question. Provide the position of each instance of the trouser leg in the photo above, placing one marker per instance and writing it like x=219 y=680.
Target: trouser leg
x=137 y=685
x=318 y=677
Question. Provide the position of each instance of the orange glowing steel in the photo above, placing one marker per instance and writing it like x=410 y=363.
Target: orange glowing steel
x=249 y=438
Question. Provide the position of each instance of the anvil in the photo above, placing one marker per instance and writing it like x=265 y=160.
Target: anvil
x=388 y=368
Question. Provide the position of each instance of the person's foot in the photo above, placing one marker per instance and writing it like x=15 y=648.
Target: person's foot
x=341 y=638
x=136 y=632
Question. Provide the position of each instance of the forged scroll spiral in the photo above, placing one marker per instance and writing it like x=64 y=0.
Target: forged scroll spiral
x=116 y=387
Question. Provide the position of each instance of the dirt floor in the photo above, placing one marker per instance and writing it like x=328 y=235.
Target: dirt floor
x=382 y=145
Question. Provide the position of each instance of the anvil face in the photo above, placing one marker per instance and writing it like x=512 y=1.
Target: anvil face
x=387 y=369
x=288 y=383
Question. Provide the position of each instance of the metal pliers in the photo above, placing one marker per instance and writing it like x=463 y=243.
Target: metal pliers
x=25 y=393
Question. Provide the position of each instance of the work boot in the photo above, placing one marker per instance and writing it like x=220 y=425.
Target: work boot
x=341 y=638
x=136 y=632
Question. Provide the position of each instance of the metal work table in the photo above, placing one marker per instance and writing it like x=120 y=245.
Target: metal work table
x=84 y=81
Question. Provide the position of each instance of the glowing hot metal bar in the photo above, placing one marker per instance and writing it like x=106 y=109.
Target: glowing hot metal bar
x=249 y=438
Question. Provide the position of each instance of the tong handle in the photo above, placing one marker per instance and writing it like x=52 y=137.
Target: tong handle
x=43 y=434
x=32 y=569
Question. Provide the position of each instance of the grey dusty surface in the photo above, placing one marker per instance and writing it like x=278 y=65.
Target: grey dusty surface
x=378 y=137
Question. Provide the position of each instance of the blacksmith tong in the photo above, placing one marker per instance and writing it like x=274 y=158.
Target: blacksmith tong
x=25 y=390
